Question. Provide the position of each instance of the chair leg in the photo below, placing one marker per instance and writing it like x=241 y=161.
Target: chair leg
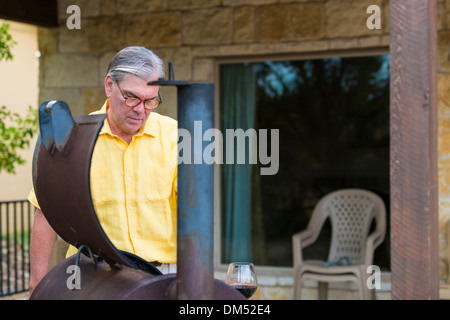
x=323 y=290
x=370 y=294
x=364 y=292
x=298 y=286
x=297 y=291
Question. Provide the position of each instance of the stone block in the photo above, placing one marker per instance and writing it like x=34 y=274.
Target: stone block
x=370 y=41
x=48 y=40
x=292 y=1
x=386 y=19
x=108 y=7
x=444 y=51
x=444 y=94
x=192 y=4
x=152 y=30
x=73 y=40
x=103 y=64
x=442 y=14
x=444 y=218
x=348 y=18
x=203 y=70
x=302 y=46
x=247 y=49
x=444 y=172
x=80 y=100
x=247 y=2
x=444 y=138
x=70 y=70
x=169 y=105
x=92 y=99
x=207 y=26
x=181 y=59
x=106 y=34
x=344 y=43
x=70 y=95
x=205 y=51
x=140 y=6
x=244 y=30
x=287 y=22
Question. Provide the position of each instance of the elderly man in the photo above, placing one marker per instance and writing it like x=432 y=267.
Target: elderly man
x=133 y=169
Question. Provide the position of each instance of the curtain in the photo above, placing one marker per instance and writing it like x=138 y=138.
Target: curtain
x=238 y=91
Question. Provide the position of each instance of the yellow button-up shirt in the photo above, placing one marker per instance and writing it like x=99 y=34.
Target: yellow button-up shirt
x=134 y=188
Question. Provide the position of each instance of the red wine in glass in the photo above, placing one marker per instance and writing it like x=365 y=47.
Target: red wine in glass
x=242 y=277
x=247 y=290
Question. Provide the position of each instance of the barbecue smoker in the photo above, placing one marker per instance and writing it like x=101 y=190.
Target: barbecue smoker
x=61 y=176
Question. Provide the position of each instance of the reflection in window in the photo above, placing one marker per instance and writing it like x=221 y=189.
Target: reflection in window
x=333 y=121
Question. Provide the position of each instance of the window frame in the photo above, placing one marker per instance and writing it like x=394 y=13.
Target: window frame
x=266 y=271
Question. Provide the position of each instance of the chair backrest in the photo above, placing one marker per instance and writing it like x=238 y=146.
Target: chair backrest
x=351 y=212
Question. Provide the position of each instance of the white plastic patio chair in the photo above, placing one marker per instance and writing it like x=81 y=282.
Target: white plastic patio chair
x=351 y=212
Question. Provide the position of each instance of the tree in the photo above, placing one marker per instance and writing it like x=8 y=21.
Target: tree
x=16 y=131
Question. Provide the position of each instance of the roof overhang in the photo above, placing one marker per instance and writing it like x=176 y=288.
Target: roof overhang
x=37 y=12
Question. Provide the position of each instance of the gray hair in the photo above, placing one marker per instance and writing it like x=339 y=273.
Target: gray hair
x=139 y=61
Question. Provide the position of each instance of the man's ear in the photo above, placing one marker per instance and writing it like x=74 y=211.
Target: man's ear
x=108 y=85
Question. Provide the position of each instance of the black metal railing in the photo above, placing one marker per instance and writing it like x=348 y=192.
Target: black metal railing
x=15 y=231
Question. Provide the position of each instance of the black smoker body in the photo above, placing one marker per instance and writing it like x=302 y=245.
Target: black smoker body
x=61 y=176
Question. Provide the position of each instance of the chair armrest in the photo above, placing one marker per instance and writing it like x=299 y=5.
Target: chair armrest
x=373 y=241
x=301 y=240
x=307 y=236
x=378 y=235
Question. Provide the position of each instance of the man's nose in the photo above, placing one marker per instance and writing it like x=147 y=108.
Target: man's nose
x=140 y=108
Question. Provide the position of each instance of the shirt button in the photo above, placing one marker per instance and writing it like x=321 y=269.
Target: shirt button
x=129 y=178
x=131 y=207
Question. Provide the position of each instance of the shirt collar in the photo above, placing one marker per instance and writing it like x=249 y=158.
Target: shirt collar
x=148 y=129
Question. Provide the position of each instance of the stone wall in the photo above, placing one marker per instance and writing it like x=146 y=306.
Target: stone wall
x=193 y=34
x=196 y=34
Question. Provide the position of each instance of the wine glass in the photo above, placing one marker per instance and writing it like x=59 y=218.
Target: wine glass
x=242 y=277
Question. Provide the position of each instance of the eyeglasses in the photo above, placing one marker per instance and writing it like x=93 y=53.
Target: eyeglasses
x=132 y=102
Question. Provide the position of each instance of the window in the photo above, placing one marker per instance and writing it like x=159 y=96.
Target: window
x=332 y=117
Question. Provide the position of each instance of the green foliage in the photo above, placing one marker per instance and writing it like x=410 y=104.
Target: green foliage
x=16 y=132
x=6 y=42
